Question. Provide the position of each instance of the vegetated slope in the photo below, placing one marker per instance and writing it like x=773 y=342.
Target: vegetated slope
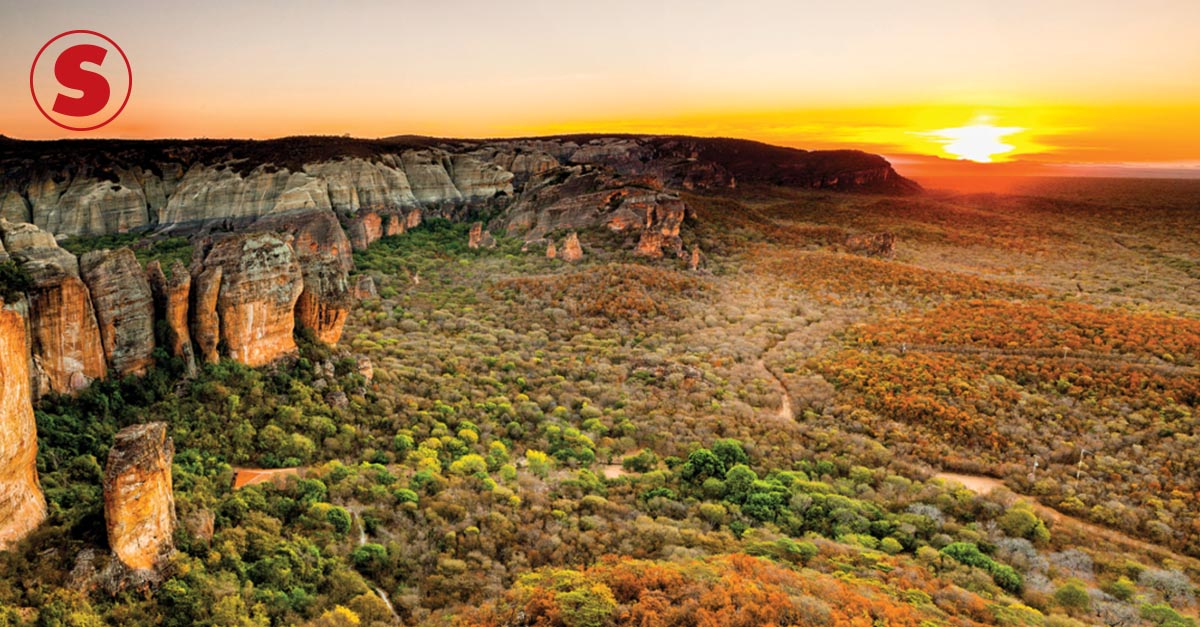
x=468 y=427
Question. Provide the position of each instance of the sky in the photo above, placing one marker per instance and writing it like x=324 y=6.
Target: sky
x=1062 y=86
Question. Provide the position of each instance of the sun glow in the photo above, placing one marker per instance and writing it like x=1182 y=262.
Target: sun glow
x=977 y=142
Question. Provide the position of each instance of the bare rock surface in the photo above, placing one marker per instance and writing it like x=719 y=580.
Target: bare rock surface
x=139 y=505
x=22 y=505
x=124 y=308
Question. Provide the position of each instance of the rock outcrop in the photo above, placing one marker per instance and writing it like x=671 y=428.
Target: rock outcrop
x=571 y=250
x=365 y=229
x=205 y=325
x=172 y=296
x=18 y=236
x=139 y=505
x=872 y=244
x=583 y=197
x=114 y=186
x=66 y=347
x=479 y=238
x=364 y=287
x=123 y=306
x=259 y=285
x=247 y=292
x=323 y=251
x=22 y=506
x=394 y=225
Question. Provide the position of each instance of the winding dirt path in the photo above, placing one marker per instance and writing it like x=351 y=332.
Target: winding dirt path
x=981 y=484
x=362 y=539
x=785 y=397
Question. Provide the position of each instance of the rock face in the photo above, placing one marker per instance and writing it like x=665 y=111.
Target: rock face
x=22 y=506
x=205 y=325
x=114 y=186
x=395 y=225
x=323 y=252
x=66 y=344
x=19 y=236
x=259 y=286
x=582 y=197
x=139 y=506
x=247 y=292
x=365 y=229
x=364 y=287
x=571 y=250
x=872 y=244
x=124 y=308
x=171 y=300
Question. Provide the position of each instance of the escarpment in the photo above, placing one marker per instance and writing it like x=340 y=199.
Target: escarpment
x=114 y=186
x=273 y=224
x=22 y=506
x=139 y=505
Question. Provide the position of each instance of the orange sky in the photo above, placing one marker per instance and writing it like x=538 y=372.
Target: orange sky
x=1097 y=82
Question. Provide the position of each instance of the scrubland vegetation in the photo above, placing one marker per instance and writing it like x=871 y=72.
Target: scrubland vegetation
x=609 y=444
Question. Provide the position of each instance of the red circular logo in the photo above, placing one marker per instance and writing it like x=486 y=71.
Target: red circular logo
x=77 y=79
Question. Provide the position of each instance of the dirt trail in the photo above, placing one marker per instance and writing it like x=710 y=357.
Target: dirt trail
x=785 y=397
x=362 y=539
x=243 y=477
x=981 y=484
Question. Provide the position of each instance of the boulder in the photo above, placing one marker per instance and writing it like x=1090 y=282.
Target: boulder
x=551 y=250
x=18 y=236
x=22 y=506
x=124 y=308
x=139 y=505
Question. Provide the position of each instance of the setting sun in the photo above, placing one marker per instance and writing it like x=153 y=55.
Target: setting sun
x=977 y=142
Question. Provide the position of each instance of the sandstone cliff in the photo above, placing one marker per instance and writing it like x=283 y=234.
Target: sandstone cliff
x=322 y=250
x=172 y=296
x=22 y=507
x=260 y=283
x=139 y=505
x=247 y=292
x=205 y=325
x=66 y=347
x=112 y=186
x=124 y=308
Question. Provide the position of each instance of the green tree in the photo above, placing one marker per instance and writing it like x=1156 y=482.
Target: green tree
x=731 y=452
x=702 y=464
x=1073 y=597
x=589 y=605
